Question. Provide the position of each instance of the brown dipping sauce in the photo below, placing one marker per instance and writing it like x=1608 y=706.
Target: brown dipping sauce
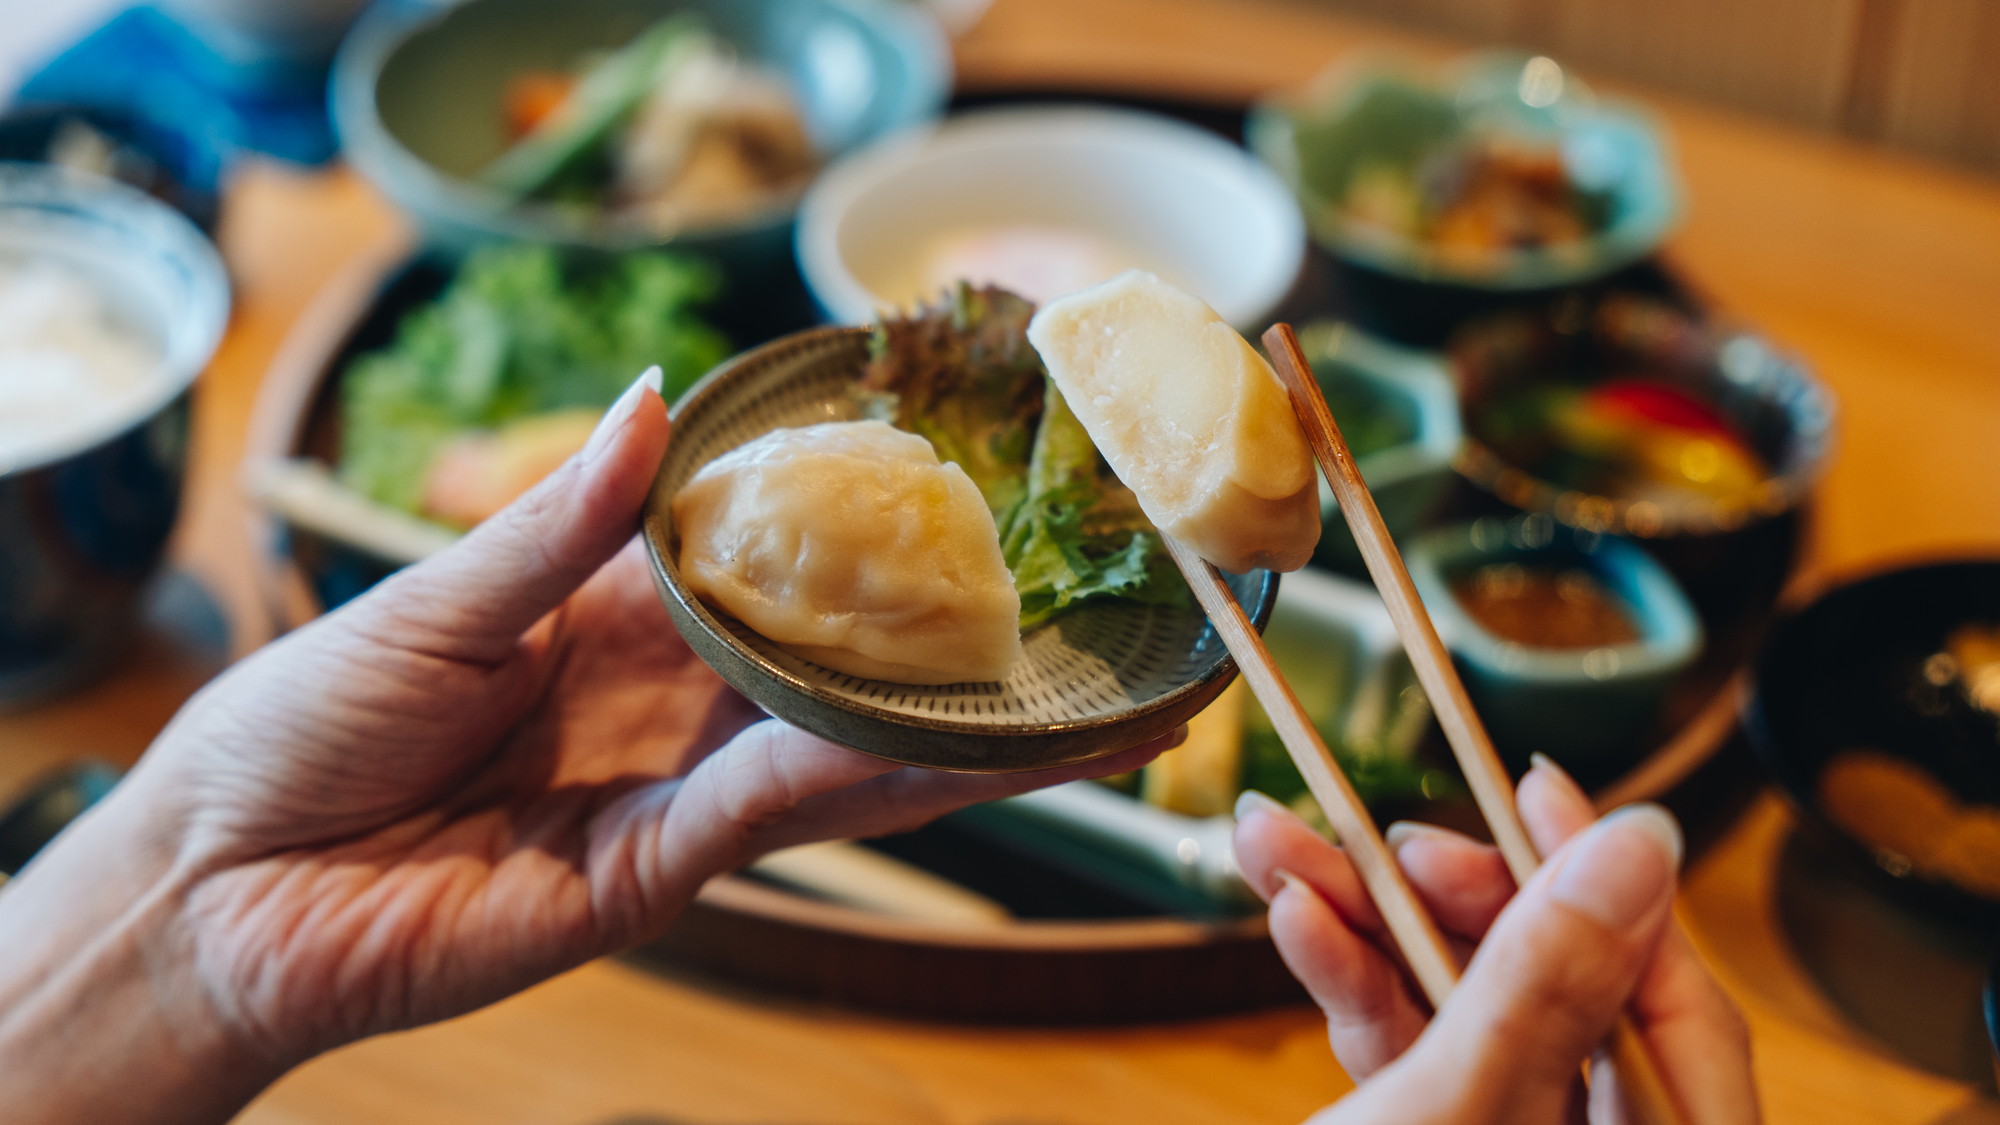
x=1542 y=607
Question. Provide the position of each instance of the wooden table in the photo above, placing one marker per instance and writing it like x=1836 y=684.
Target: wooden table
x=1883 y=270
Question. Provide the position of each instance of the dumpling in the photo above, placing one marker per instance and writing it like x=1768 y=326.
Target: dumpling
x=853 y=546
x=1189 y=416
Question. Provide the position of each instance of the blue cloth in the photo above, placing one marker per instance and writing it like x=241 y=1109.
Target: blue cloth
x=144 y=65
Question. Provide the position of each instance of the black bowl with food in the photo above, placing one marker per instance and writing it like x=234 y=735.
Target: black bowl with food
x=1622 y=414
x=1877 y=710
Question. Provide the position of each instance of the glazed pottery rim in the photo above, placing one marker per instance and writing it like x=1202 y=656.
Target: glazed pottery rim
x=666 y=571
x=1413 y=373
x=1791 y=769
x=193 y=330
x=861 y=173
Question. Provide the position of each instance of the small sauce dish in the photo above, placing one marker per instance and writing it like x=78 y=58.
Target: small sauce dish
x=1569 y=641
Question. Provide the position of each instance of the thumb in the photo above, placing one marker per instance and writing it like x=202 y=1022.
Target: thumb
x=473 y=600
x=1552 y=975
x=653 y=848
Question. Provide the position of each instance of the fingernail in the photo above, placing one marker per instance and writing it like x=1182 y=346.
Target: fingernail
x=1566 y=787
x=1403 y=830
x=1661 y=826
x=1622 y=869
x=1177 y=738
x=1250 y=801
x=1289 y=882
x=615 y=418
x=1551 y=769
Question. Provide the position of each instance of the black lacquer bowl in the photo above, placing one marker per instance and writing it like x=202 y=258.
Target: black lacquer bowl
x=1860 y=670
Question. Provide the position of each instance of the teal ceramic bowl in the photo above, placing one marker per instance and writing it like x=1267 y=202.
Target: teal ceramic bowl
x=1354 y=117
x=1399 y=413
x=1585 y=707
x=417 y=93
x=1990 y=1003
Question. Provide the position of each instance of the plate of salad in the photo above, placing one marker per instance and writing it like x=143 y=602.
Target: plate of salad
x=442 y=393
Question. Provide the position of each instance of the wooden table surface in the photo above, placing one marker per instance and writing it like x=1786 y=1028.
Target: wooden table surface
x=1883 y=270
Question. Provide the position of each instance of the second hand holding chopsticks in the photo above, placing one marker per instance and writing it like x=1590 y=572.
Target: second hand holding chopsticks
x=1492 y=786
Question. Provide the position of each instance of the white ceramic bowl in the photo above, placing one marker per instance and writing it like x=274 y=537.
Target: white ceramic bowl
x=1185 y=203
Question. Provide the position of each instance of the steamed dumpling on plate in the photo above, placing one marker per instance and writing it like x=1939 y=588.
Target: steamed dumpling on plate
x=851 y=545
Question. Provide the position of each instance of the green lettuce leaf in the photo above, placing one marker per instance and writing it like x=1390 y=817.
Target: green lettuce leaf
x=1076 y=534
x=961 y=373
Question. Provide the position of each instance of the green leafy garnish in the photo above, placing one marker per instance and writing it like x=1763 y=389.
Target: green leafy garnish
x=516 y=335
x=1078 y=533
x=1373 y=734
x=962 y=374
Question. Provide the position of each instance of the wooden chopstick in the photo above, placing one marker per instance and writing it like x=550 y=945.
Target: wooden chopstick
x=1492 y=786
x=1423 y=946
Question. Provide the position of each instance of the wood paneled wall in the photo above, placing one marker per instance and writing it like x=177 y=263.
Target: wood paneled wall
x=1924 y=74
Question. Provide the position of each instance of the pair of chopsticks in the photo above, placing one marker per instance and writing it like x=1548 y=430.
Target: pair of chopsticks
x=1417 y=937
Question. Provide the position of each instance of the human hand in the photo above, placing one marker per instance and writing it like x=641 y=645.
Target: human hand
x=497 y=765
x=1555 y=966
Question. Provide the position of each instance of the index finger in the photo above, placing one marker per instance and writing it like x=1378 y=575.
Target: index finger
x=1695 y=1030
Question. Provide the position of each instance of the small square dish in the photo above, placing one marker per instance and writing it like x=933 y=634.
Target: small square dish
x=1398 y=411
x=1568 y=640
x=1103 y=678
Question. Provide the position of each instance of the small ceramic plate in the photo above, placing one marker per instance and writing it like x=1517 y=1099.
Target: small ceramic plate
x=1096 y=681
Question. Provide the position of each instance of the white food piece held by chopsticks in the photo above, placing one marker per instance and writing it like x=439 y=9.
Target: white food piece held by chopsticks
x=1189 y=416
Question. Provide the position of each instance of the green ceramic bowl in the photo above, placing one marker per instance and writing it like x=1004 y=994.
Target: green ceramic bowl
x=1398 y=410
x=1318 y=140
x=417 y=91
x=1098 y=680
x=1581 y=706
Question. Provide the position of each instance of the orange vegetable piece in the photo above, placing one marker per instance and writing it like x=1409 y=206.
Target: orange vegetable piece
x=532 y=97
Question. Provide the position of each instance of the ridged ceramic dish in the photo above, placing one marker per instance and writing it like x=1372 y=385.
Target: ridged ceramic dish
x=1098 y=680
